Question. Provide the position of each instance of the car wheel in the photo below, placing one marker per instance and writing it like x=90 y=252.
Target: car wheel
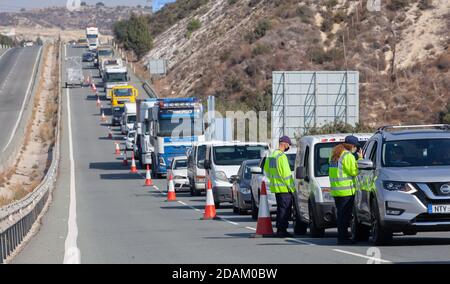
x=360 y=232
x=380 y=235
x=254 y=209
x=192 y=188
x=314 y=229
x=235 y=208
x=300 y=227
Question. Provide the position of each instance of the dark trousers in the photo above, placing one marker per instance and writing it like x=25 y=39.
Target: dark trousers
x=284 y=210
x=344 y=207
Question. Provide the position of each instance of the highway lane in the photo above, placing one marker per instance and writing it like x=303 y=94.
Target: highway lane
x=17 y=67
x=121 y=221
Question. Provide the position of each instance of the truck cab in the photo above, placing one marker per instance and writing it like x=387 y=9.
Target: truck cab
x=129 y=118
x=119 y=96
x=115 y=76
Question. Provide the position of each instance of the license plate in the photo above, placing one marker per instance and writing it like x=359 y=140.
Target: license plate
x=439 y=209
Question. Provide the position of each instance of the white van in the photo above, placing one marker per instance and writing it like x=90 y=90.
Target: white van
x=223 y=160
x=196 y=167
x=315 y=205
x=128 y=118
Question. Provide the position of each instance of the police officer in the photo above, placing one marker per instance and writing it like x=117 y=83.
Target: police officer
x=281 y=183
x=342 y=172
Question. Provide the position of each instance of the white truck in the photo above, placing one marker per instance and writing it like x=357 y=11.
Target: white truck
x=110 y=62
x=114 y=76
x=143 y=147
x=128 y=118
x=92 y=38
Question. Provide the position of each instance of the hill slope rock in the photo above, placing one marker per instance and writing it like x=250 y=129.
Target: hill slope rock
x=401 y=52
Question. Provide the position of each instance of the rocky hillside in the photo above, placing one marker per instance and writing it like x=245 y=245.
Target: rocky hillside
x=229 y=48
x=59 y=17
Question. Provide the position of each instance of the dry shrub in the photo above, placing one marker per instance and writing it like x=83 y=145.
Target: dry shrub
x=19 y=191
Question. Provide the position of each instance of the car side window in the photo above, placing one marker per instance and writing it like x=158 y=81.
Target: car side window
x=368 y=149
x=306 y=161
x=373 y=153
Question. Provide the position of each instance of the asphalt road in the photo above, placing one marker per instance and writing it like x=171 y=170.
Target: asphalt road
x=119 y=220
x=16 y=73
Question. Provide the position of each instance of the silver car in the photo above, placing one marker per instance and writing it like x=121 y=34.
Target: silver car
x=403 y=183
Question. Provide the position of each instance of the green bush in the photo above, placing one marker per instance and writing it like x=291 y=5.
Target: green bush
x=4 y=40
x=134 y=35
x=339 y=127
x=260 y=31
x=305 y=13
x=194 y=25
x=260 y=49
x=445 y=116
x=395 y=5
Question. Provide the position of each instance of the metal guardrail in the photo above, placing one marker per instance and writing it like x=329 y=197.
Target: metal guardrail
x=149 y=89
x=18 y=218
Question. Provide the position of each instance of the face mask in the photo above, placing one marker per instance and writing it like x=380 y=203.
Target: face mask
x=287 y=149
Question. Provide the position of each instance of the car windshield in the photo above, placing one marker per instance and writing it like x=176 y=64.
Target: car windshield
x=187 y=127
x=123 y=92
x=117 y=111
x=131 y=119
x=234 y=155
x=105 y=52
x=416 y=153
x=116 y=77
x=180 y=164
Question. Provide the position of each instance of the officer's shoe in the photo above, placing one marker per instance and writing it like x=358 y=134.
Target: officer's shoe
x=284 y=234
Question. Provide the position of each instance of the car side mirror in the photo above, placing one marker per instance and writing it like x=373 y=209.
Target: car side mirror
x=255 y=170
x=207 y=164
x=234 y=178
x=365 y=164
x=300 y=173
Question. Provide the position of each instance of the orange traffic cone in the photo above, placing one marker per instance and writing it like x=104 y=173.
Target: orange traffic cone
x=171 y=195
x=133 y=165
x=148 y=178
x=94 y=88
x=117 y=149
x=125 y=158
x=110 y=133
x=210 y=209
x=264 y=226
x=98 y=101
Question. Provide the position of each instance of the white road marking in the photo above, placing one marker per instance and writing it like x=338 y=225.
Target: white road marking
x=72 y=254
x=301 y=242
x=24 y=101
x=362 y=256
x=228 y=221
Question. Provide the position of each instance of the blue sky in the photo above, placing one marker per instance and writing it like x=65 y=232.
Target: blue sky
x=15 y=5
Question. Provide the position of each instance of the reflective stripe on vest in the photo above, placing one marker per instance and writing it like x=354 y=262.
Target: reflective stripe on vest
x=341 y=185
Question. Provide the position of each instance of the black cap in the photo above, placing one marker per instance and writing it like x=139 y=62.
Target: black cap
x=352 y=140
